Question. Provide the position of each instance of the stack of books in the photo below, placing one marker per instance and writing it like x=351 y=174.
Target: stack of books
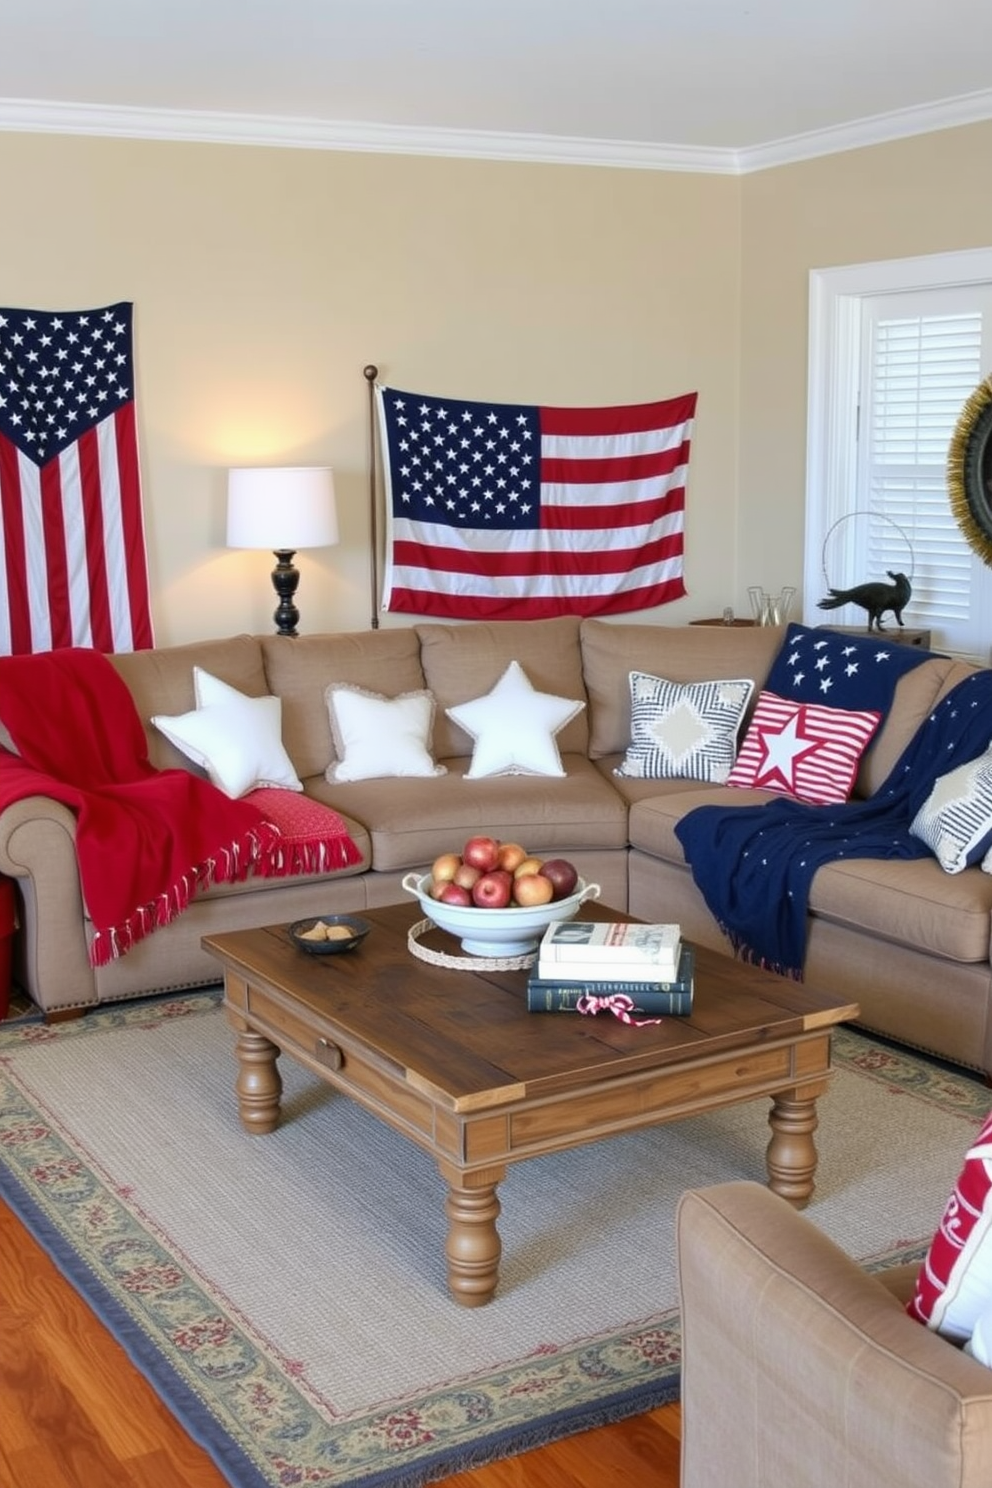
x=578 y=958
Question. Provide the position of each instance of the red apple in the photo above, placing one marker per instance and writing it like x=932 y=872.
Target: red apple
x=531 y=889
x=453 y=893
x=511 y=855
x=467 y=876
x=444 y=868
x=482 y=853
x=492 y=890
x=529 y=865
x=563 y=875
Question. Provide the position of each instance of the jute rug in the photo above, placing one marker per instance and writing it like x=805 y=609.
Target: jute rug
x=286 y=1294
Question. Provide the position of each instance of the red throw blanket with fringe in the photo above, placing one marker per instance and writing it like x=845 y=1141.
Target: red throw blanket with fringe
x=146 y=839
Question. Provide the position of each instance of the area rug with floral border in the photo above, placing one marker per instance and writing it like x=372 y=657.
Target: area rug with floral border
x=286 y=1296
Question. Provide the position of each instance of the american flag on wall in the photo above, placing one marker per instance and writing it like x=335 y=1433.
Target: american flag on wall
x=72 y=546
x=507 y=511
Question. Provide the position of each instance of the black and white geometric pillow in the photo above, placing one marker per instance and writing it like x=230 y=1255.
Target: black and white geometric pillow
x=955 y=821
x=684 y=729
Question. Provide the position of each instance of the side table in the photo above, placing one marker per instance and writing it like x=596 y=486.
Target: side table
x=902 y=635
x=718 y=620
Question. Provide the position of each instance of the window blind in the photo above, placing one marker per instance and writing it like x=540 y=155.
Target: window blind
x=921 y=369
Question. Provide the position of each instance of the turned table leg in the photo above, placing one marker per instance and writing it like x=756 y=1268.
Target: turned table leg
x=791 y=1154
x=259 y=1083
x=473 y=1245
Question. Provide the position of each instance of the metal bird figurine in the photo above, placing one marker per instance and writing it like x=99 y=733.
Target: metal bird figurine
x=875 y=597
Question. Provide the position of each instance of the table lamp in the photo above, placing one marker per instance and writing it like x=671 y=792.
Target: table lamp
x=283 y=510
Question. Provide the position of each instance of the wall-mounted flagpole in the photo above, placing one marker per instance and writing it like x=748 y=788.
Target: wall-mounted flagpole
x=371 y=373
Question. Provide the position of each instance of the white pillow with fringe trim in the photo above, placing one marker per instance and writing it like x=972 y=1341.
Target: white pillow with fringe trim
x=378 y=737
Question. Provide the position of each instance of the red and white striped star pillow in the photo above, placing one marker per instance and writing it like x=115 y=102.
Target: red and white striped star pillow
x=804 y=750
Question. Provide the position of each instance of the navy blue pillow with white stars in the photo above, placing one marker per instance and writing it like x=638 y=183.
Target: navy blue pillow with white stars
x=841 y=671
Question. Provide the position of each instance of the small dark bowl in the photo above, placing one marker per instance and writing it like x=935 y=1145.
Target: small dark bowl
x=359 y=929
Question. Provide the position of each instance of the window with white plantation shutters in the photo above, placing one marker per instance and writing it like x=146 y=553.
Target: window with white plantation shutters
x=889 y=375
x=920 y=368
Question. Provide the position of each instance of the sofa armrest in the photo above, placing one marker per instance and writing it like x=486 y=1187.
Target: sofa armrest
x=38 y=848
x=800 y=1370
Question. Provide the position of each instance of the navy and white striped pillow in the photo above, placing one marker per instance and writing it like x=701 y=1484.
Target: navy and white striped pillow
x=955 y=821
x=683 y=729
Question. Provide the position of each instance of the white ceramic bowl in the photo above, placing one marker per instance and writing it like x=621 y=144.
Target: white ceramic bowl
x=497 y=932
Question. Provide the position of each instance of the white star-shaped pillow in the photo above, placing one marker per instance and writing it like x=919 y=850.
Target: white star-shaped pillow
x=514 y=727
x=236 y=739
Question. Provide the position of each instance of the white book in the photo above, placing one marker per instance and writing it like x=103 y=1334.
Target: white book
x=650 y=974
x=570 y=944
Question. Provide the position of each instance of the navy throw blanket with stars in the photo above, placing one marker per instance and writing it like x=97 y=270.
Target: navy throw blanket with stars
x=754 y=864
x=841 y=671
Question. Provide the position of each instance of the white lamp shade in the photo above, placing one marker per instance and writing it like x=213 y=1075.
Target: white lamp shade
x=281 y=509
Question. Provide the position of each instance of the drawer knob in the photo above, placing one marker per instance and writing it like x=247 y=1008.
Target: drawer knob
x=329 y=1054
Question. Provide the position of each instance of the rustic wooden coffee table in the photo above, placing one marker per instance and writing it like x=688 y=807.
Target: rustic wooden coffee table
x=453 y=1060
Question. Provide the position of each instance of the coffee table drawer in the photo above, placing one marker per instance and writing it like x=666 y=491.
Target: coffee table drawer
x=644 y=1099
x=371 y=1079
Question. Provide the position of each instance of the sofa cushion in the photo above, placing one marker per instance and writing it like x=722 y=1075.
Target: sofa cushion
x=954 y=1285
x=553 y=816
x=236 y=739
x=299 y=670
x=514 y=727
x=955 y=821
x=910 y=902
x=654 y=814
x=686 y=729
x=462 y=662
x=681 y=653
x=907 y=902
x=161 y=681
x=376 y=736
x=803 y=750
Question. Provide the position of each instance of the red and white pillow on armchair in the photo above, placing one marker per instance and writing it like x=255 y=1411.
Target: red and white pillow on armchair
x=953 y=1293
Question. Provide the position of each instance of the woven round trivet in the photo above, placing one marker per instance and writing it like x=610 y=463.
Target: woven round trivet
x=464 y=963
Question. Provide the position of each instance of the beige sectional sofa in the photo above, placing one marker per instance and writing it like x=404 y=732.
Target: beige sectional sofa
x=909 y=942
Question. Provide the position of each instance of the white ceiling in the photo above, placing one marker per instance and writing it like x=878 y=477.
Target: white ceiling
x=693 y=84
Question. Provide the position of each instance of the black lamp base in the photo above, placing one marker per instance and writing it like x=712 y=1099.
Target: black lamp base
x=285 y=578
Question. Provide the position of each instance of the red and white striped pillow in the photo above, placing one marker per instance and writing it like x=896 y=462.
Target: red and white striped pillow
x=804 y=750
x=954 y=1287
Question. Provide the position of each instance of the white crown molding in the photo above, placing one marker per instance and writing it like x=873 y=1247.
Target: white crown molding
x=880 y=129
x=206 y=127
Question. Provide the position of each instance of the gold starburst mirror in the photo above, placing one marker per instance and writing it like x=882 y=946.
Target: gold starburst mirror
x=969 y=471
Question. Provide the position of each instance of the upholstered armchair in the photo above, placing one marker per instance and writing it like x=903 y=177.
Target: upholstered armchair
x=801 y=1370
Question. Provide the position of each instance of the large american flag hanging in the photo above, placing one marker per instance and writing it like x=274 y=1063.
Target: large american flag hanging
x=505 y=511
x=72 y=547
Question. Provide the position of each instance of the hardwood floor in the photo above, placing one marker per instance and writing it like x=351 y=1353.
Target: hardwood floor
x=76 y=1414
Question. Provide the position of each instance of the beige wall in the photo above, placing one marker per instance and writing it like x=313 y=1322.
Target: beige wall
x=929 y=194
x=264 y=280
